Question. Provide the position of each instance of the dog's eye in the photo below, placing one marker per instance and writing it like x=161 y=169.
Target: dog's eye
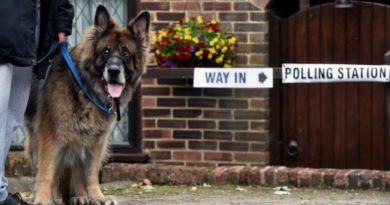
x=106 y=51
x=125 y=51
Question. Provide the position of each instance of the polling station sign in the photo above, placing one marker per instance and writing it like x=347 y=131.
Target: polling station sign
x=233 y=78
x=312 y=73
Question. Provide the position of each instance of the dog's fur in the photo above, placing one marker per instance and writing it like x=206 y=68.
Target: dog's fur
x=68 y=134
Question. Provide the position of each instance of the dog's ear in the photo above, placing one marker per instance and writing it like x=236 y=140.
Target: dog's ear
x=103 y=20
x=139 y=26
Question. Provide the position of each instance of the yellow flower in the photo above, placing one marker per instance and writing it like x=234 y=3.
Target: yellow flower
x=199 y=53
x=195 y=40
x=157 y=51
x=226 y=65
x=232 y=40
x=187 y=19
x=199 y=19
x=224 y=49
x=212 y=50
x=187 y=37
x=213 y=42
x=213 y=22
x=178 y=27
x=219 y=59
x=210 y=56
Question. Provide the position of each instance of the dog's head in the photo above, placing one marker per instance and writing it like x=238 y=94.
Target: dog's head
x=114 y=56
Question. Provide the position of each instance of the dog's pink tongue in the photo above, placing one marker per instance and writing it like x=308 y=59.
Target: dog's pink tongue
x=115 y=90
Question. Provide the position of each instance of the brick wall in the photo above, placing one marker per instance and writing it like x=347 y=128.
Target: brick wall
x=209 y=127
x=245 y=19
x=206 y=127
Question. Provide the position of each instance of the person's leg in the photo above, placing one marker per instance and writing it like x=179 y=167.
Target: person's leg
x=5 y=90
x=20 y=90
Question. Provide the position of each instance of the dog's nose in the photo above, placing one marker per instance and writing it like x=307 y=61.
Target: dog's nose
x=114 y=70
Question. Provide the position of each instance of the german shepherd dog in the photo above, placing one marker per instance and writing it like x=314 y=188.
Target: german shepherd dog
x=69 y=134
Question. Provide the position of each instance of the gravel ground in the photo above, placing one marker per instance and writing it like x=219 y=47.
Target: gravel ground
x=128 y=193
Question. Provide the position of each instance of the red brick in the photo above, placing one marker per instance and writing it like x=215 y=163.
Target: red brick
x=255 y=16
x=201 y=124
x=148 y=123
x=259 y=103
x=218 y=156
x=236 y=16
x=378 y=180
x=187 y=113
x=216 y=6
x=148 y=144
x=304 y=177
x=220 y=175
x=250 y=157
x=233 y=125
x=171 y=16
x=148 y=81
x=293 y=176
x=156 y=155
x=156 y=112
x=218 y=92
x=156 y=134
x=202 y=164
x=223 y=103
x=171 y=144
x=233 y=146
x=249 y=27
x=218 y=114
x=259 y=147
x=341 y=179
x=172 y=163
x=148 y=102
x=217 y=135
x=187 y=91
x=171 y=102
x=316 y=178
x=365 y=179
x=259 y=126
x=197 y=102
x=249 y=115
x=233 y=175
x=155 y=6
x=171 y=123
x=251 y=136
x=208 y=145
x=329 y=177
x=245 y=6
x=244 y=175
x=163 y=81
x=155 y=91
x=187 y=134
x=186 y=6
x=251 y=93
x=282 y=176
x=270 y=176
x=254 y=176
x=353 y=179
x=188 y=156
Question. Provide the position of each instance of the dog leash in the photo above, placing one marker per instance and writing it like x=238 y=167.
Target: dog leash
x=107 y=111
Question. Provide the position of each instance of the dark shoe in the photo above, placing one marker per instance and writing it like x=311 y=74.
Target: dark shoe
x=14 y=199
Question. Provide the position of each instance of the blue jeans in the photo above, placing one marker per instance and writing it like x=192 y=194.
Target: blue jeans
x=15 y=84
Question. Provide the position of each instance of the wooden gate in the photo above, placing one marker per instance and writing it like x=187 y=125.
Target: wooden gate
x=338 y=125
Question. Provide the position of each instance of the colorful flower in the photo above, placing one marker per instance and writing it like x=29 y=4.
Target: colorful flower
x=193 y=42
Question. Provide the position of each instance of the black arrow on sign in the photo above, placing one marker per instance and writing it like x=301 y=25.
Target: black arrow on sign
x=262 y=77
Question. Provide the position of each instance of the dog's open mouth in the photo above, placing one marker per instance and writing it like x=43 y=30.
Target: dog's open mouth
x=115 y=89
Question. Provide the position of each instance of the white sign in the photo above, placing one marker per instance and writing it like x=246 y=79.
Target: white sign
x=312 y=73
x=233 y=77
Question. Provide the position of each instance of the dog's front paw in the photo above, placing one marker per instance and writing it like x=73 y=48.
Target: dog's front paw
x=107 y=200
x=79 y=201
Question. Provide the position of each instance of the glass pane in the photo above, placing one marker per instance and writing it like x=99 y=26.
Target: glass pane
x=84 y=14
